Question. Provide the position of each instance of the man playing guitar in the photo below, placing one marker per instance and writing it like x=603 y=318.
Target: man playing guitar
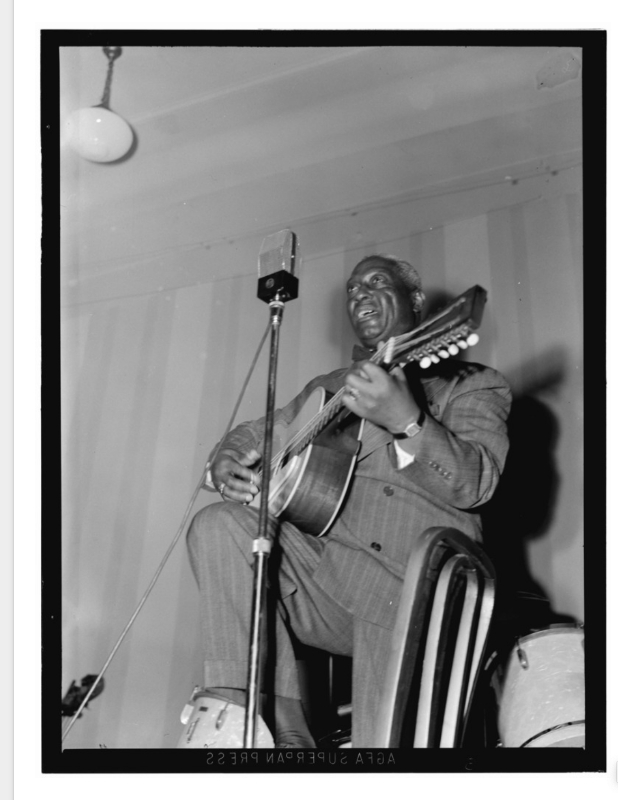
x=421 y=447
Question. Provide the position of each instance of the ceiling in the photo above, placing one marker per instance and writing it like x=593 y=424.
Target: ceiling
x=236 y=140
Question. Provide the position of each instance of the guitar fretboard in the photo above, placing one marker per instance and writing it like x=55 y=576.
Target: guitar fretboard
x=311 y=429
x=449 y=326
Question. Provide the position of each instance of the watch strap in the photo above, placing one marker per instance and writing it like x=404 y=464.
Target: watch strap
x=412 y=429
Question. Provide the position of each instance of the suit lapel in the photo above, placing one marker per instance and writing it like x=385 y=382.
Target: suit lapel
x=373 y=437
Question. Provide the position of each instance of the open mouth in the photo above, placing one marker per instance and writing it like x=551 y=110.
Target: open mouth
x=365 y=312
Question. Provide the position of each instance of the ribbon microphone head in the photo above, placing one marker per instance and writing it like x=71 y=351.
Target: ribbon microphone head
x=278 y=262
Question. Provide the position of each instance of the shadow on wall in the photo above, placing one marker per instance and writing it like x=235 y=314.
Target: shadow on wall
x=436 y=299
x=523 y=506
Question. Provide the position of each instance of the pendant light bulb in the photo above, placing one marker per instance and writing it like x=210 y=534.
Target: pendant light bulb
x=99 y=134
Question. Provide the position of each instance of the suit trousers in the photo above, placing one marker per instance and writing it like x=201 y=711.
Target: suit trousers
x=220 y=551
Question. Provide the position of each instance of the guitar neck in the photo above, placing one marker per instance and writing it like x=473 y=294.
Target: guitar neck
x=448 y=328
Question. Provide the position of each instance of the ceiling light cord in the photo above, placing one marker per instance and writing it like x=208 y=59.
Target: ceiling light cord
x=112 y=54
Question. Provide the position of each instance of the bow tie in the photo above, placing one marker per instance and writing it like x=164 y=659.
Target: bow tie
x=360 y=353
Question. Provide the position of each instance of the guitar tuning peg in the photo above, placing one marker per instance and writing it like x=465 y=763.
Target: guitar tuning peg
x=434 y=358
x=472 y=339
x=453 y=349
x=462 y=344
x=443 y=353
x=425 y=362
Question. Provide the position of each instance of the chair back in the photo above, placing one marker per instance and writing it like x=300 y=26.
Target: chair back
x=438 y=642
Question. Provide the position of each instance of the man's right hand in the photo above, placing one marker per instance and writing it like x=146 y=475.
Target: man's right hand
x=234 y=475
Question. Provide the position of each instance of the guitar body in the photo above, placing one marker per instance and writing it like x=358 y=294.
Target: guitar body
x=309 y=489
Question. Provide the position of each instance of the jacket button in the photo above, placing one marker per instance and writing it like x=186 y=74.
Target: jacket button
x=388 y=491
x=376 y=546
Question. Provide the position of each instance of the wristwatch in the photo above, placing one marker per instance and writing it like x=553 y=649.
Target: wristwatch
x=412 y=428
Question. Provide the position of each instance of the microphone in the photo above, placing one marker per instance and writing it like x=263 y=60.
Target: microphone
x=277 y=262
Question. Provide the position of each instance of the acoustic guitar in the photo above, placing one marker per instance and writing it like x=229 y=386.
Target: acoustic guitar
x=316 y=454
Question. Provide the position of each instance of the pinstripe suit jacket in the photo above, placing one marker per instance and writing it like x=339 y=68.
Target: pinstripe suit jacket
x=459 y=458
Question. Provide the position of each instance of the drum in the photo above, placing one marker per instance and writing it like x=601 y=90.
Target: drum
x=214 y=722
x=541 y=697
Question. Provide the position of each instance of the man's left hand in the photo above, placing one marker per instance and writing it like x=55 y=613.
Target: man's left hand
x=381 y=397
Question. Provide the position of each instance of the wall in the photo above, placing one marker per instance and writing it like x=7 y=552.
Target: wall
x=149 y=380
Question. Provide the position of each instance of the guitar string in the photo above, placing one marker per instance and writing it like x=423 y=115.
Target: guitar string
x=420 y=330
x=323 y=416
x=172 y=545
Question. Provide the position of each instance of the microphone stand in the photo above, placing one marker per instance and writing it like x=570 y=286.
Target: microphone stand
x=276 y=290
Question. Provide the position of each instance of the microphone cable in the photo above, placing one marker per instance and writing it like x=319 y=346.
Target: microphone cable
x=172 y=545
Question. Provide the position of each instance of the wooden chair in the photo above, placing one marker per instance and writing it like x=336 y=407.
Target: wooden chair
x=438 y=642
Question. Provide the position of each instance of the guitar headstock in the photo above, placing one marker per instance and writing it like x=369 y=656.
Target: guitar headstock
x=440 y=336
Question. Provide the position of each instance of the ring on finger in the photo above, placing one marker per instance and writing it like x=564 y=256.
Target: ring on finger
x=220 y=489
x=354 y=393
